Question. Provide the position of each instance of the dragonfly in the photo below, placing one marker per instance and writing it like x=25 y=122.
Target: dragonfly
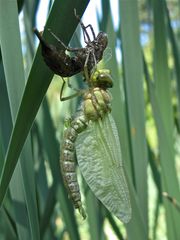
x=92 y=135
x=84 y=58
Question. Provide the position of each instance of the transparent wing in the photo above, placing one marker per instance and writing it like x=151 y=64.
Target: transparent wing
x=99 y=158
x=107 y=55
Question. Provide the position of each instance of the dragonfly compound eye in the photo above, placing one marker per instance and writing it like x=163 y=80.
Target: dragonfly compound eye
x=102 y=78
x=105 y=80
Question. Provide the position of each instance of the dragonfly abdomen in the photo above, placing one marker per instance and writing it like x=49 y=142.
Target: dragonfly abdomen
x=67 y=161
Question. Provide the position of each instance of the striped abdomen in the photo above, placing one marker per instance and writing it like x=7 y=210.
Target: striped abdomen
x=67 y=161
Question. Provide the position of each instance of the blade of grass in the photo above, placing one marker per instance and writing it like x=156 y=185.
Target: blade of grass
x=6 y=126
x=5 y=116
x=7 y=224
x=37 y=84
x=6 y=227
x=48 y=211
x=163 y=115
x=20 y=208
x=93 y=213
x=14 y=72
x=29 y=20
x=176 y=56
x=133 y=72
x=155 y=172
x=154 y=167
x=114 y=226
x=156 y=214
x=136 y=227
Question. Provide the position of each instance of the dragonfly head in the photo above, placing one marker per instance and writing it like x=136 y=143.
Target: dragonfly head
x=102 y=79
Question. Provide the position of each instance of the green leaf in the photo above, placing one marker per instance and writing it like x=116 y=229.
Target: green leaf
x=163 y=114
x=38 y=81
x=23 y=186
x=114 y=226
x=133 y=83
x=95 y=218
x=176 y=55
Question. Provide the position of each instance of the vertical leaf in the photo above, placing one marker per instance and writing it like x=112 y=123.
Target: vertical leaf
x=133 y=72
x=38 y=82
x=164 y=118
x=23 y=181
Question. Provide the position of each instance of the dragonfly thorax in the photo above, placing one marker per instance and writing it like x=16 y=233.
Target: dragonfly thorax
x=96 y=103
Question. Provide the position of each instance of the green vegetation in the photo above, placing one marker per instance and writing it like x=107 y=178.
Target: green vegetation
x=145 y=106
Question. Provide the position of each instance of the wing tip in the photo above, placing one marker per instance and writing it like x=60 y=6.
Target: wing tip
x=125 y=217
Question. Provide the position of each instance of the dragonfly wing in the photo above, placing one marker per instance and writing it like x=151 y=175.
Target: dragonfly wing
x=107 y=55
x=99 y=158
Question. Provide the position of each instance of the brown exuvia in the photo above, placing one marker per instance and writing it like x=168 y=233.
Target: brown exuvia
x=66 y=66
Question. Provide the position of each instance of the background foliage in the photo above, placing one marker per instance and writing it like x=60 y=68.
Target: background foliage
x=145 y=65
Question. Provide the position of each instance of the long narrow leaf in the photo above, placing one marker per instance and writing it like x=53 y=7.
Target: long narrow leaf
x=36 y=87
x=23 y=185
x=133 y=72
x=164 y=118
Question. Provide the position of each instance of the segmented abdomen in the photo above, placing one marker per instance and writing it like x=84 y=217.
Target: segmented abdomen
x=67 y=161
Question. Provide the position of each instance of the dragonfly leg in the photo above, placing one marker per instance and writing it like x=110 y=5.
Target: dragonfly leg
x=86 y=72
x=92 y=30
x=79 y=92
x=99 y=108
x=70 y=49
x=85 y=33
x=73 y=88
x=95 y=62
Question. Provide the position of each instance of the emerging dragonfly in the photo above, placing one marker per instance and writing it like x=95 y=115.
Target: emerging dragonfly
x=84 y=58
x=94 y=137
